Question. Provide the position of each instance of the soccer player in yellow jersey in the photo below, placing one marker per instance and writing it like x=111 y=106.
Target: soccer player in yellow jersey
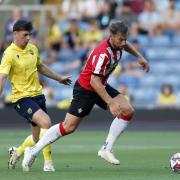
x=21 y=63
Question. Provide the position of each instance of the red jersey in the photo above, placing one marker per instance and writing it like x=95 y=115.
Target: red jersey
x=102 y=62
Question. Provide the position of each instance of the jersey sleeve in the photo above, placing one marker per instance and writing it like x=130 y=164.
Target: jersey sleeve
x=99 y=64
x=6 y=63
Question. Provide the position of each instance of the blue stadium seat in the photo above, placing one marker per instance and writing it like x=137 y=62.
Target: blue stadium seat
x=162 y=53
x=176 y=40
x=62 y=93
x=160 y=40
x=145 y=97
x=148 y=80
x=143 y=39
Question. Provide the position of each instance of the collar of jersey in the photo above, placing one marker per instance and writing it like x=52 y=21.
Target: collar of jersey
x=18 y=48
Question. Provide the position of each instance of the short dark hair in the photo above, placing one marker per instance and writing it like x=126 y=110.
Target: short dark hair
x=118 y=26
x=22 y=25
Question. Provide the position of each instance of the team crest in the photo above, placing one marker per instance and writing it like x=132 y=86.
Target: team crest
x=80 y=110
x=18 y=106
x=29 y=111
x=31 y=52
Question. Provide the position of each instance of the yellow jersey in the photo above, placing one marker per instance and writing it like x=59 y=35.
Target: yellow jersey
x=21 y=67
x=170 y=100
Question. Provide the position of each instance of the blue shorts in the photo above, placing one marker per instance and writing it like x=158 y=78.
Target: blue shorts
x=26 y=107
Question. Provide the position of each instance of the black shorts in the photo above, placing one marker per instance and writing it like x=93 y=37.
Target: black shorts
x=26 y=107
x=84 y=100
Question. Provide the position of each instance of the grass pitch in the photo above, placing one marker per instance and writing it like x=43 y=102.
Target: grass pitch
x=143 y=156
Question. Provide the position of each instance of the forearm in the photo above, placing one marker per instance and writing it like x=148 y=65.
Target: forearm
x=132 y=50
x=2 y=82
x=44 y=70
x=100 y=89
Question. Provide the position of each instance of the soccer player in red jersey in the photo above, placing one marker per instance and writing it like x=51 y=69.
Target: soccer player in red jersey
x=92 y=88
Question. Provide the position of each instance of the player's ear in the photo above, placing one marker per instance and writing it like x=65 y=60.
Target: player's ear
x=15 y=33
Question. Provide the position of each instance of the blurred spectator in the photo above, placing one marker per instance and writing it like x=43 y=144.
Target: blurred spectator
x=125 y=12
x=161 y=4
x=113 y=6
x=52 y=34
x=66 y=61
x=15 y=15
x=81 y=8
x=94 y=34
x=51 y=56
x=148 y=20
x=167 y=97
x=73 y=36
x=137 y=6
x=104 y=17
x=170 y=18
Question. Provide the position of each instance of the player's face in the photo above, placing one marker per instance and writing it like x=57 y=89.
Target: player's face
x=118 y=40
x=22 y=38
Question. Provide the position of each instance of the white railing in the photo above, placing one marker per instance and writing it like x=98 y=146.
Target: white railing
x=26 y=9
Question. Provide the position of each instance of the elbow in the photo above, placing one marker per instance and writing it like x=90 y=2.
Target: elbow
x=92 y=81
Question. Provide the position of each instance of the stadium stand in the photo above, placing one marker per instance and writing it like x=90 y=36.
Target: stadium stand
x=162 y=51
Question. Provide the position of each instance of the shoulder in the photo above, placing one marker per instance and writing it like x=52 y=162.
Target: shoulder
x=102 y=48
x=31 y=47
x=8 y=51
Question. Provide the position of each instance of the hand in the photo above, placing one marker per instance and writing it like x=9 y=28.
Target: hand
x=114 y=107
x=65 y=80
x=144 y=64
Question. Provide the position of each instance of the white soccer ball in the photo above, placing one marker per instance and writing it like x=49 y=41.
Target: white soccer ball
x=175 y=162
x=11 y=150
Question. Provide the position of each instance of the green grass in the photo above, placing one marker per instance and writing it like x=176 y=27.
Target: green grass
x=143 y=155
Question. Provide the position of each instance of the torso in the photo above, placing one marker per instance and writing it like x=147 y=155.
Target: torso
x=101 y=62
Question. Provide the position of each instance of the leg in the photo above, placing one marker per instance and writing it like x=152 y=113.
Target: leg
x=16 y=153
x=47 y=154
x=117 y=127
x=69 y=125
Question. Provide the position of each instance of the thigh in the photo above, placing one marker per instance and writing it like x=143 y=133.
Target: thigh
x=41 y=119
x=112 y=92
x=71 y=122
x=26 y=107
x=82 y=102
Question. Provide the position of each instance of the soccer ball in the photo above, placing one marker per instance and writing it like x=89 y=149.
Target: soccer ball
x=175 y=162
x=11 y=150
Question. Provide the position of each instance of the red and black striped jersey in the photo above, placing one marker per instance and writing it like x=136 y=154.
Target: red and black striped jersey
x=101 y=62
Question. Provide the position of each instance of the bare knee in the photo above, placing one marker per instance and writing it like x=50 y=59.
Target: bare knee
x=127 y=113
x=46 y=124
x=69 y=128
x=71 y=123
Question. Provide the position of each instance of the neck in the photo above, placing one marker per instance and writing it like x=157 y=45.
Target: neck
x=110 y=41
x=18 y=45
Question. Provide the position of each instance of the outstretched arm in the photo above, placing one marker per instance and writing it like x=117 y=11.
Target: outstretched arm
x=2 y=81
x=44 y=70
x=141 y=60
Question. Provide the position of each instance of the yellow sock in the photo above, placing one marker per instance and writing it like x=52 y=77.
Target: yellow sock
x=28 y=142
x=47 y=150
